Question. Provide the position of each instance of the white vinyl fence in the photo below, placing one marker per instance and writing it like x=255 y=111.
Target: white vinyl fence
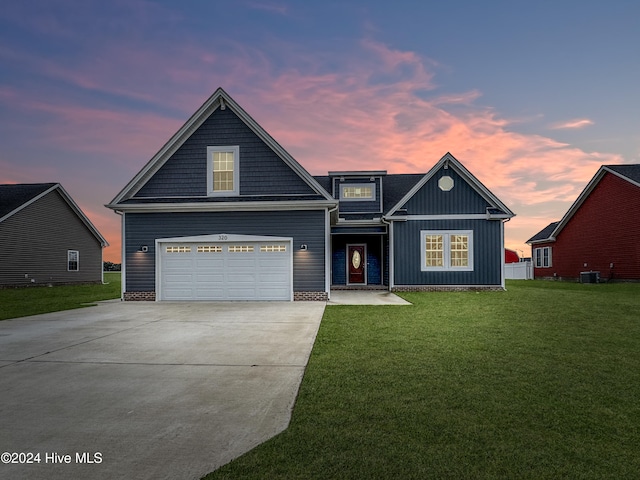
x=519 y=271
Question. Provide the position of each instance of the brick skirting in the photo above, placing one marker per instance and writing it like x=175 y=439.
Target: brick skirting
x=297 y=296
x=310 y=296
x=445 y=288
x=139 y=296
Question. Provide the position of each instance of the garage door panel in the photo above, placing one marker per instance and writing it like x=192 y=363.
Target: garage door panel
x=244 y=270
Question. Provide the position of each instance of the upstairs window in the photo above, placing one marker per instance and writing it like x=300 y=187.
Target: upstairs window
x=356 y=192
x=222 y=170
x=73 y=260
x=446 y=250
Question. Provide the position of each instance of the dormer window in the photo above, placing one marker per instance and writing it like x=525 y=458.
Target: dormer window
x=222 y=171
x=357 y=192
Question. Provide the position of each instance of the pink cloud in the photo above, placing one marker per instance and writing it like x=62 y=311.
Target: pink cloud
x=573 y=124
x=383 y=110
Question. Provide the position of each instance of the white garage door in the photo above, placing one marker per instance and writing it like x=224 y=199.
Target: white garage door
x=224 y=267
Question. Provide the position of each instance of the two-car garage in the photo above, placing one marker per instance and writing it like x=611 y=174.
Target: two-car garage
x=224 y=267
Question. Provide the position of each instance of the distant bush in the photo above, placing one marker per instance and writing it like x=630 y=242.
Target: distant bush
x=111 y=267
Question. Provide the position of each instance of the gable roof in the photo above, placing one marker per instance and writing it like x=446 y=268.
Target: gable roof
x=15 y=197
x=544 y=234
x=219 y=99
x=449 y=160
x=629 y=173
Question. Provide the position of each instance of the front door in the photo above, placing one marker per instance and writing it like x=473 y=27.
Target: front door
x=356 y=260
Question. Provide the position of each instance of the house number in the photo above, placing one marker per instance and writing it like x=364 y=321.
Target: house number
x=222 y=237
x=356 y=259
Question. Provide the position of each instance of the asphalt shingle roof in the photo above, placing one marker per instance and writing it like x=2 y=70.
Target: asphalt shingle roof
x=544 y=233
x=632 y=172
x=15 y=195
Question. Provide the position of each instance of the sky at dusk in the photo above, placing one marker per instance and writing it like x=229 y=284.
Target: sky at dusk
x=532 y=97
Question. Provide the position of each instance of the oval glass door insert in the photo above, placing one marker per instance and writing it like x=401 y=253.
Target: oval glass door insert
x=356 y=259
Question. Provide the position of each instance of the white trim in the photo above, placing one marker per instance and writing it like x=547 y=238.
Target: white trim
x=364 y=262
x=391 y=257
x=235 y=149
x=77 y=252
x=327 y=253
x=542 y=256
x=191 y=125
x=446 y=246
x=502 y=250
x=223 y=206
x=123 y=258
x=371 y=185
x=74 y=206
x=449 y=161
x=575 y=206
x=219 y=238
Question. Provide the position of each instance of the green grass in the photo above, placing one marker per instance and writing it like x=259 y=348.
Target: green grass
x=539 y=382
x=24 y=301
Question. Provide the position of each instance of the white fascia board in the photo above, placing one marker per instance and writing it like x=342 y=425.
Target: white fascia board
x=451 y=161
x=219 y=99
x=619 y=175
x=223 y=238
x=579 y=201
x=29 y=202
x=222 y=206
x=74 y=206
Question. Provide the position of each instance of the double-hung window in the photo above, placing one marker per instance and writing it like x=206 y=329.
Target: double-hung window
x=450 y=250
x=542 y=257
x=222 y=170
x=73 y=260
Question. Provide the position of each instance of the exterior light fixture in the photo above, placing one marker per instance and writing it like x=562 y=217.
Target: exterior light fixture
x=304 y=247
x=144 y=248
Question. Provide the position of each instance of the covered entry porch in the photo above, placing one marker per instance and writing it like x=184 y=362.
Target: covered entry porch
x=359 y=259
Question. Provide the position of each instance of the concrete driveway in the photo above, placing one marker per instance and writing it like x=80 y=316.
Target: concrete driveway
x=148 y=390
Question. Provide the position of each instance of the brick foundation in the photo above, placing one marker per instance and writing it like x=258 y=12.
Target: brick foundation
x=139 y=296
x=310 y=296
x=446 y=288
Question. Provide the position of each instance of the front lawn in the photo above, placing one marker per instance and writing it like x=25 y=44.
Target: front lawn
x=24 y=301
x=541 y=381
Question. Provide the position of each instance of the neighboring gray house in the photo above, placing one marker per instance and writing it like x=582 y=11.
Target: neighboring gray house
x=223 y=212
x=45 y=238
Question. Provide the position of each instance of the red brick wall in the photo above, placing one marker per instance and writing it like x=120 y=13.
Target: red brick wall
x=604 y=230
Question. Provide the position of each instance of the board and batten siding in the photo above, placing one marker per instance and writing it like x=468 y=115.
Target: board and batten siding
x=262 y=172
x=461 y=199
x=34 y=244
x=487 y=253
x=305 y=227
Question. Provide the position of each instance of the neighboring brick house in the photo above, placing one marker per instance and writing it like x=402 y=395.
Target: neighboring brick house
x=45 y=238
x=223 y=212
x=599 y=233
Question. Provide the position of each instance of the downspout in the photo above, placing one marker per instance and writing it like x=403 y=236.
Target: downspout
x=504 y=285
x=123 y=256
x=328 y=249
x=391 y=263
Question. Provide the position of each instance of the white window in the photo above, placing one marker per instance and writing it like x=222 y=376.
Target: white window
x=73 y=260
x=181 y=249
x=240 y=248
x=450 y=250
x=273 y=248
x=222 y=170
x=542 y=257
x=209 y=249
x=357 y=191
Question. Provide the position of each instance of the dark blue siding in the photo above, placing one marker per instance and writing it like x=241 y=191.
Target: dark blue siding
x=462 y=199
x=261 y=170
x=374 y=258
x=359 y=206
x=306 y=227
x=487 y=253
